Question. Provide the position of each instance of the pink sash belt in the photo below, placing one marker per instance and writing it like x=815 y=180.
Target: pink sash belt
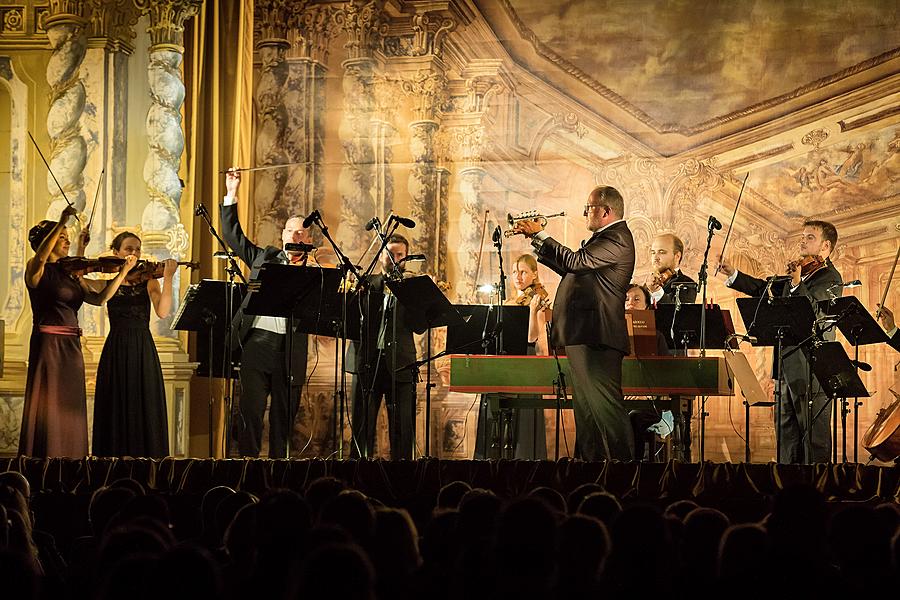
x=60 y=329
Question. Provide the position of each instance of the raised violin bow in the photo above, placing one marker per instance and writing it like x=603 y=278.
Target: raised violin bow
x=730 y=225
x=55 y=180
x=887 y=285
x=263 y=167
x=96 y=195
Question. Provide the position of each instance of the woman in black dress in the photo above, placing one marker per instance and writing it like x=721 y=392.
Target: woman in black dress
x=54 y=417
x=130 y=400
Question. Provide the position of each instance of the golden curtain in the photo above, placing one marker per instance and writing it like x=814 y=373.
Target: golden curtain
x=218 y=75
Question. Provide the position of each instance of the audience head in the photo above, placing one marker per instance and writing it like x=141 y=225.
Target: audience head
x=352 y=511
x=450 y=495
x=553 y=499
x=602 y=506
x=17 y=481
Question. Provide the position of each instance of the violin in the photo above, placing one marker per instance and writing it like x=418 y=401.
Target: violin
x=76 y=266
x=661 y=278
x=524 y=299
x=807 y=265
x=146 y=270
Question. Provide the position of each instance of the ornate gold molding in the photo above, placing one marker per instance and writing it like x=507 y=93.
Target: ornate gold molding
x=270 y=21
x=311 y=30
x=66 y=12
x=429 y=92
x=167 y=19
x=114 y=21
x=363 y=20
x=479 y=90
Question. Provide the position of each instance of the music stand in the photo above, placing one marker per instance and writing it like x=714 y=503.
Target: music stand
x=681 y=327
x=480 y=325
x=426 y=308
x=860 y=329
x=778 y=322
x=480 y=334
x=204 y=305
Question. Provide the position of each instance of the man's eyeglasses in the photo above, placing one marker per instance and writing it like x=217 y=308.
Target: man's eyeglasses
x=588 y=207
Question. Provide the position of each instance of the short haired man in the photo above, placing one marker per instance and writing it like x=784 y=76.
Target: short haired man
x=818 y=239
x=264 y=340
x=589 y=320
x=386 y=344
x=666 y=252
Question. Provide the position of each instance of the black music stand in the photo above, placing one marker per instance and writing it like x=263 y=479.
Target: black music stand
x=426 y=308
x=860 y=329
x=778 y=322
x=681 y=327
x=312 y=298
x=480 y=334
x=204 y=306
x=839 y=378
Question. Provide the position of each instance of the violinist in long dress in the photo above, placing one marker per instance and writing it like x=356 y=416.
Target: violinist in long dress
x=54 y=416
x=814 y=276
x=528 y=434
x=130 y=400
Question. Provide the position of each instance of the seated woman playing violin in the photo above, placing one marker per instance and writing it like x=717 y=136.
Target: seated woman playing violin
x=130 y=401
x=54 y=417
x=528 y=426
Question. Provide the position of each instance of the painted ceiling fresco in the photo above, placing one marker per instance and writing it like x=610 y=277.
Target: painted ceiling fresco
x=685 y=62
x=836 y=179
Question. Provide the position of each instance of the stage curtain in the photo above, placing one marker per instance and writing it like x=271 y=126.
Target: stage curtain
x=218 y=110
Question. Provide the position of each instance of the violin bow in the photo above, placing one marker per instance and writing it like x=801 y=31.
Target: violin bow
x=887 y=286
x=480 y=252
x=55 y=180
x=730 y=225
x=96 y=195
x=264 y=167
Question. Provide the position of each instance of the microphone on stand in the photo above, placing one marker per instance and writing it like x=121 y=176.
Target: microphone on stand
x=496 y=235
x=713 y=223
x=221 y=254
x=313 y=217
x=298 y=247
x=406 y=222
x=412 y=258
x=373 y=222
x=200 y=210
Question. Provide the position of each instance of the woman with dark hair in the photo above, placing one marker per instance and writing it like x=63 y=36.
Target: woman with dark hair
x=54 y=417
x=130 y=401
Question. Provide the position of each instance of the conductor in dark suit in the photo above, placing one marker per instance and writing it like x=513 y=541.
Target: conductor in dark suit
x=818 y=239
x=386 y=344
x=667 y=280
x=887 y=321
x=264 y=340
x=589 y=320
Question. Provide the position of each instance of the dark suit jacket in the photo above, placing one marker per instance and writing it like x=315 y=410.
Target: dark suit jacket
x=360 y=354
x=688 y=294
x=894 y=342
x=816 y=289
x=590 y=302
x=255 y=257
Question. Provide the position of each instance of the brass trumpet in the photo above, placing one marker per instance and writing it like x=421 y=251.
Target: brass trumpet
x=531 y=215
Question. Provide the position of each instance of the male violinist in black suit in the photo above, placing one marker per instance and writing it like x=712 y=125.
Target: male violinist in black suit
x=264 y=341
x=667 y=279
x=887 y=321
x=589 y=320
x=819 y=283
x=386 y=344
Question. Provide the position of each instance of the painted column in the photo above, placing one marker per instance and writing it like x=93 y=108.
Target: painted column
x=67 y=154
x=164 y=235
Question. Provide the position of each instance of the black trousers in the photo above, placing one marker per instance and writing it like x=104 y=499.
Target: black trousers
x=263 y=375
x=794 y=427
x=602 y=427
x=399 y=411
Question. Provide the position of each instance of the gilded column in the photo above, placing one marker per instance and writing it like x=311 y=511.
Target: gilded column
x=65 y=26
x=272 y=209
x=163 y=234
x=361 y=20
x=429 y=91
x=469 y=142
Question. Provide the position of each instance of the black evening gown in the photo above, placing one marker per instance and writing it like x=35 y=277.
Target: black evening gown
x=130 y=401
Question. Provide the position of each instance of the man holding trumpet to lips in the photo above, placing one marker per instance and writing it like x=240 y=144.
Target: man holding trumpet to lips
x=589 y=320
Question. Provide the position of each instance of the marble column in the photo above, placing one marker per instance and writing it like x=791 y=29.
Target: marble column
x=164 y=235
x=470 y=219
x=67 y=154
x=361 y=20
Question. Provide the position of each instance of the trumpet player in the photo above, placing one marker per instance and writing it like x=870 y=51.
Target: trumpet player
x=589 y=320
x=667 y=281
